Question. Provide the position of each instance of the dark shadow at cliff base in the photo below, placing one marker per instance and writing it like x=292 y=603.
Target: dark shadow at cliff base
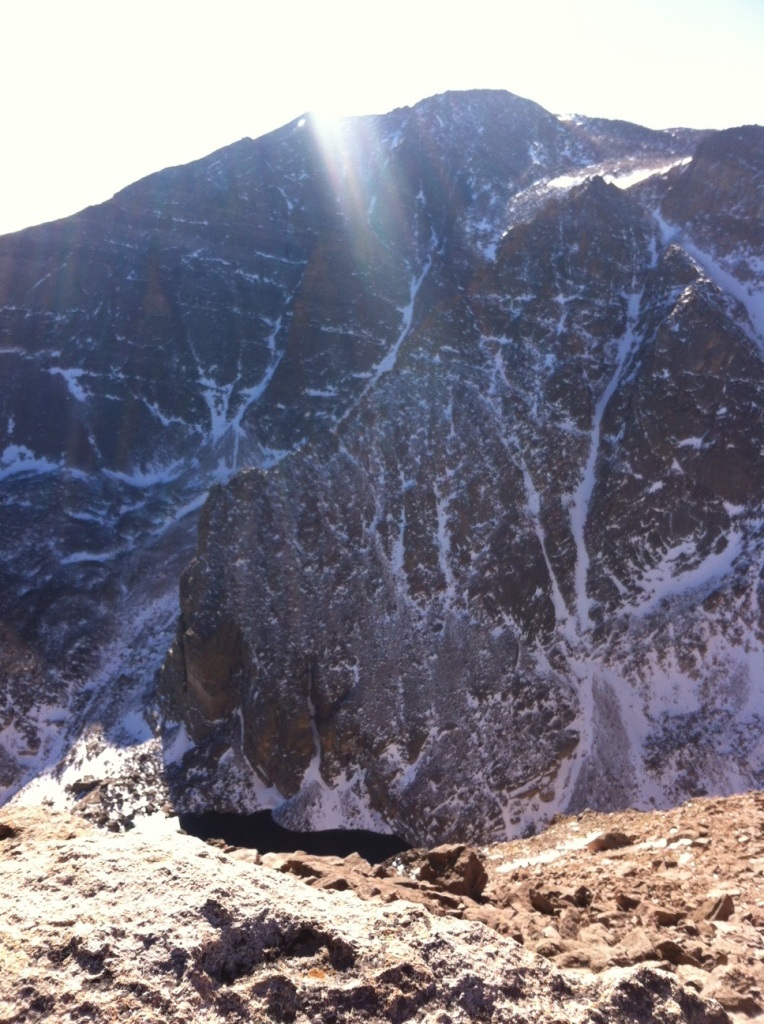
x=260 y=832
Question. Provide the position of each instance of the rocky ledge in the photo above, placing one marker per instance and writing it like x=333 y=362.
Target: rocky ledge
x=653 y=917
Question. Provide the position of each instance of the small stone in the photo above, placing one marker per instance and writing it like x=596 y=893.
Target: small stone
x=574 y=956
x=541 y=903
x=597 y=934
x=337 y=883
x=548 y=948
x=664 y=917
x=720 y=909
x=756 y=917
x=570 y=922
x=609 y=841
x=635 y=947
x=674 y=954
x=583 y=896
x=734 y=1001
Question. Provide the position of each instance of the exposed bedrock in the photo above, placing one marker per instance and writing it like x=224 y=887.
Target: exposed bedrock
x=497 y=551
x=520 y=577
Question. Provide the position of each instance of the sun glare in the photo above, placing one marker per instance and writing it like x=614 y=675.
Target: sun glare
x=600 y=60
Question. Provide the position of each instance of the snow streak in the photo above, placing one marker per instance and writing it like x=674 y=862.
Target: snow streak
x=581 y=497
x=750 y=297
x=386 y=364
x=561 y=614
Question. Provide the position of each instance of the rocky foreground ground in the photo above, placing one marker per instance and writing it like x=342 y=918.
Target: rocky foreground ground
x=602 y=918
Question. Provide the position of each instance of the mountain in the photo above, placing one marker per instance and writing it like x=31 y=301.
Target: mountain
x=482 y=427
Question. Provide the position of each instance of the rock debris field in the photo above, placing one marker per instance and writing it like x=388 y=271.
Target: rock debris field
x=602 y=918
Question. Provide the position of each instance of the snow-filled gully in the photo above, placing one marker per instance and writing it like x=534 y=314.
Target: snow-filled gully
x=561 y=613
x=581 y=498
x=575 y=626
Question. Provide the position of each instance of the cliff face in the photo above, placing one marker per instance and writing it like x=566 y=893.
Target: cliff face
x=496 y=547
x=217 y=316
x=523 y=572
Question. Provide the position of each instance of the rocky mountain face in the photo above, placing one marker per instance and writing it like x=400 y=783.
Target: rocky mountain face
x=636 y=917
x=524 y=573
x=496 y=548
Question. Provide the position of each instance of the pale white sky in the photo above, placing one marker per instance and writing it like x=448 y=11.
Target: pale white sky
x=96 y=94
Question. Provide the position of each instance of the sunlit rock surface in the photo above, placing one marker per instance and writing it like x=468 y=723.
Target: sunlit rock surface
x=157 y=926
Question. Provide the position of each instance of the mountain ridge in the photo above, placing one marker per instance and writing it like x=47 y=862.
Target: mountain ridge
x=283 y=300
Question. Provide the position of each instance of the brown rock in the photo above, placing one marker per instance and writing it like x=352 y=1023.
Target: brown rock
x=664 y=917
x=453 y=868
x=303 y=866
x=674 y=954
x=337 y=882
x=756 y=917
x=720 y=909
x=578 y=955
x=543 y=904
x=635 y=947
x=8 y=831
x=583 y=896
x=570 y=922
x=609 y=841
x=457 y=869
x=694 y=977
x=626 y=901
x=736 y=1002
x=605 y=957
x=503 y=921
x=613 y=919
x=356 y=862
x=597 y=934
x=447 y=900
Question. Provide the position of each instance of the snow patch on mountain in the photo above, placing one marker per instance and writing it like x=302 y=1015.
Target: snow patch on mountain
x=17 y=458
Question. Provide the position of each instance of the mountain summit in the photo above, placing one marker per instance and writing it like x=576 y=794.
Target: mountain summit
x=483 y=429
